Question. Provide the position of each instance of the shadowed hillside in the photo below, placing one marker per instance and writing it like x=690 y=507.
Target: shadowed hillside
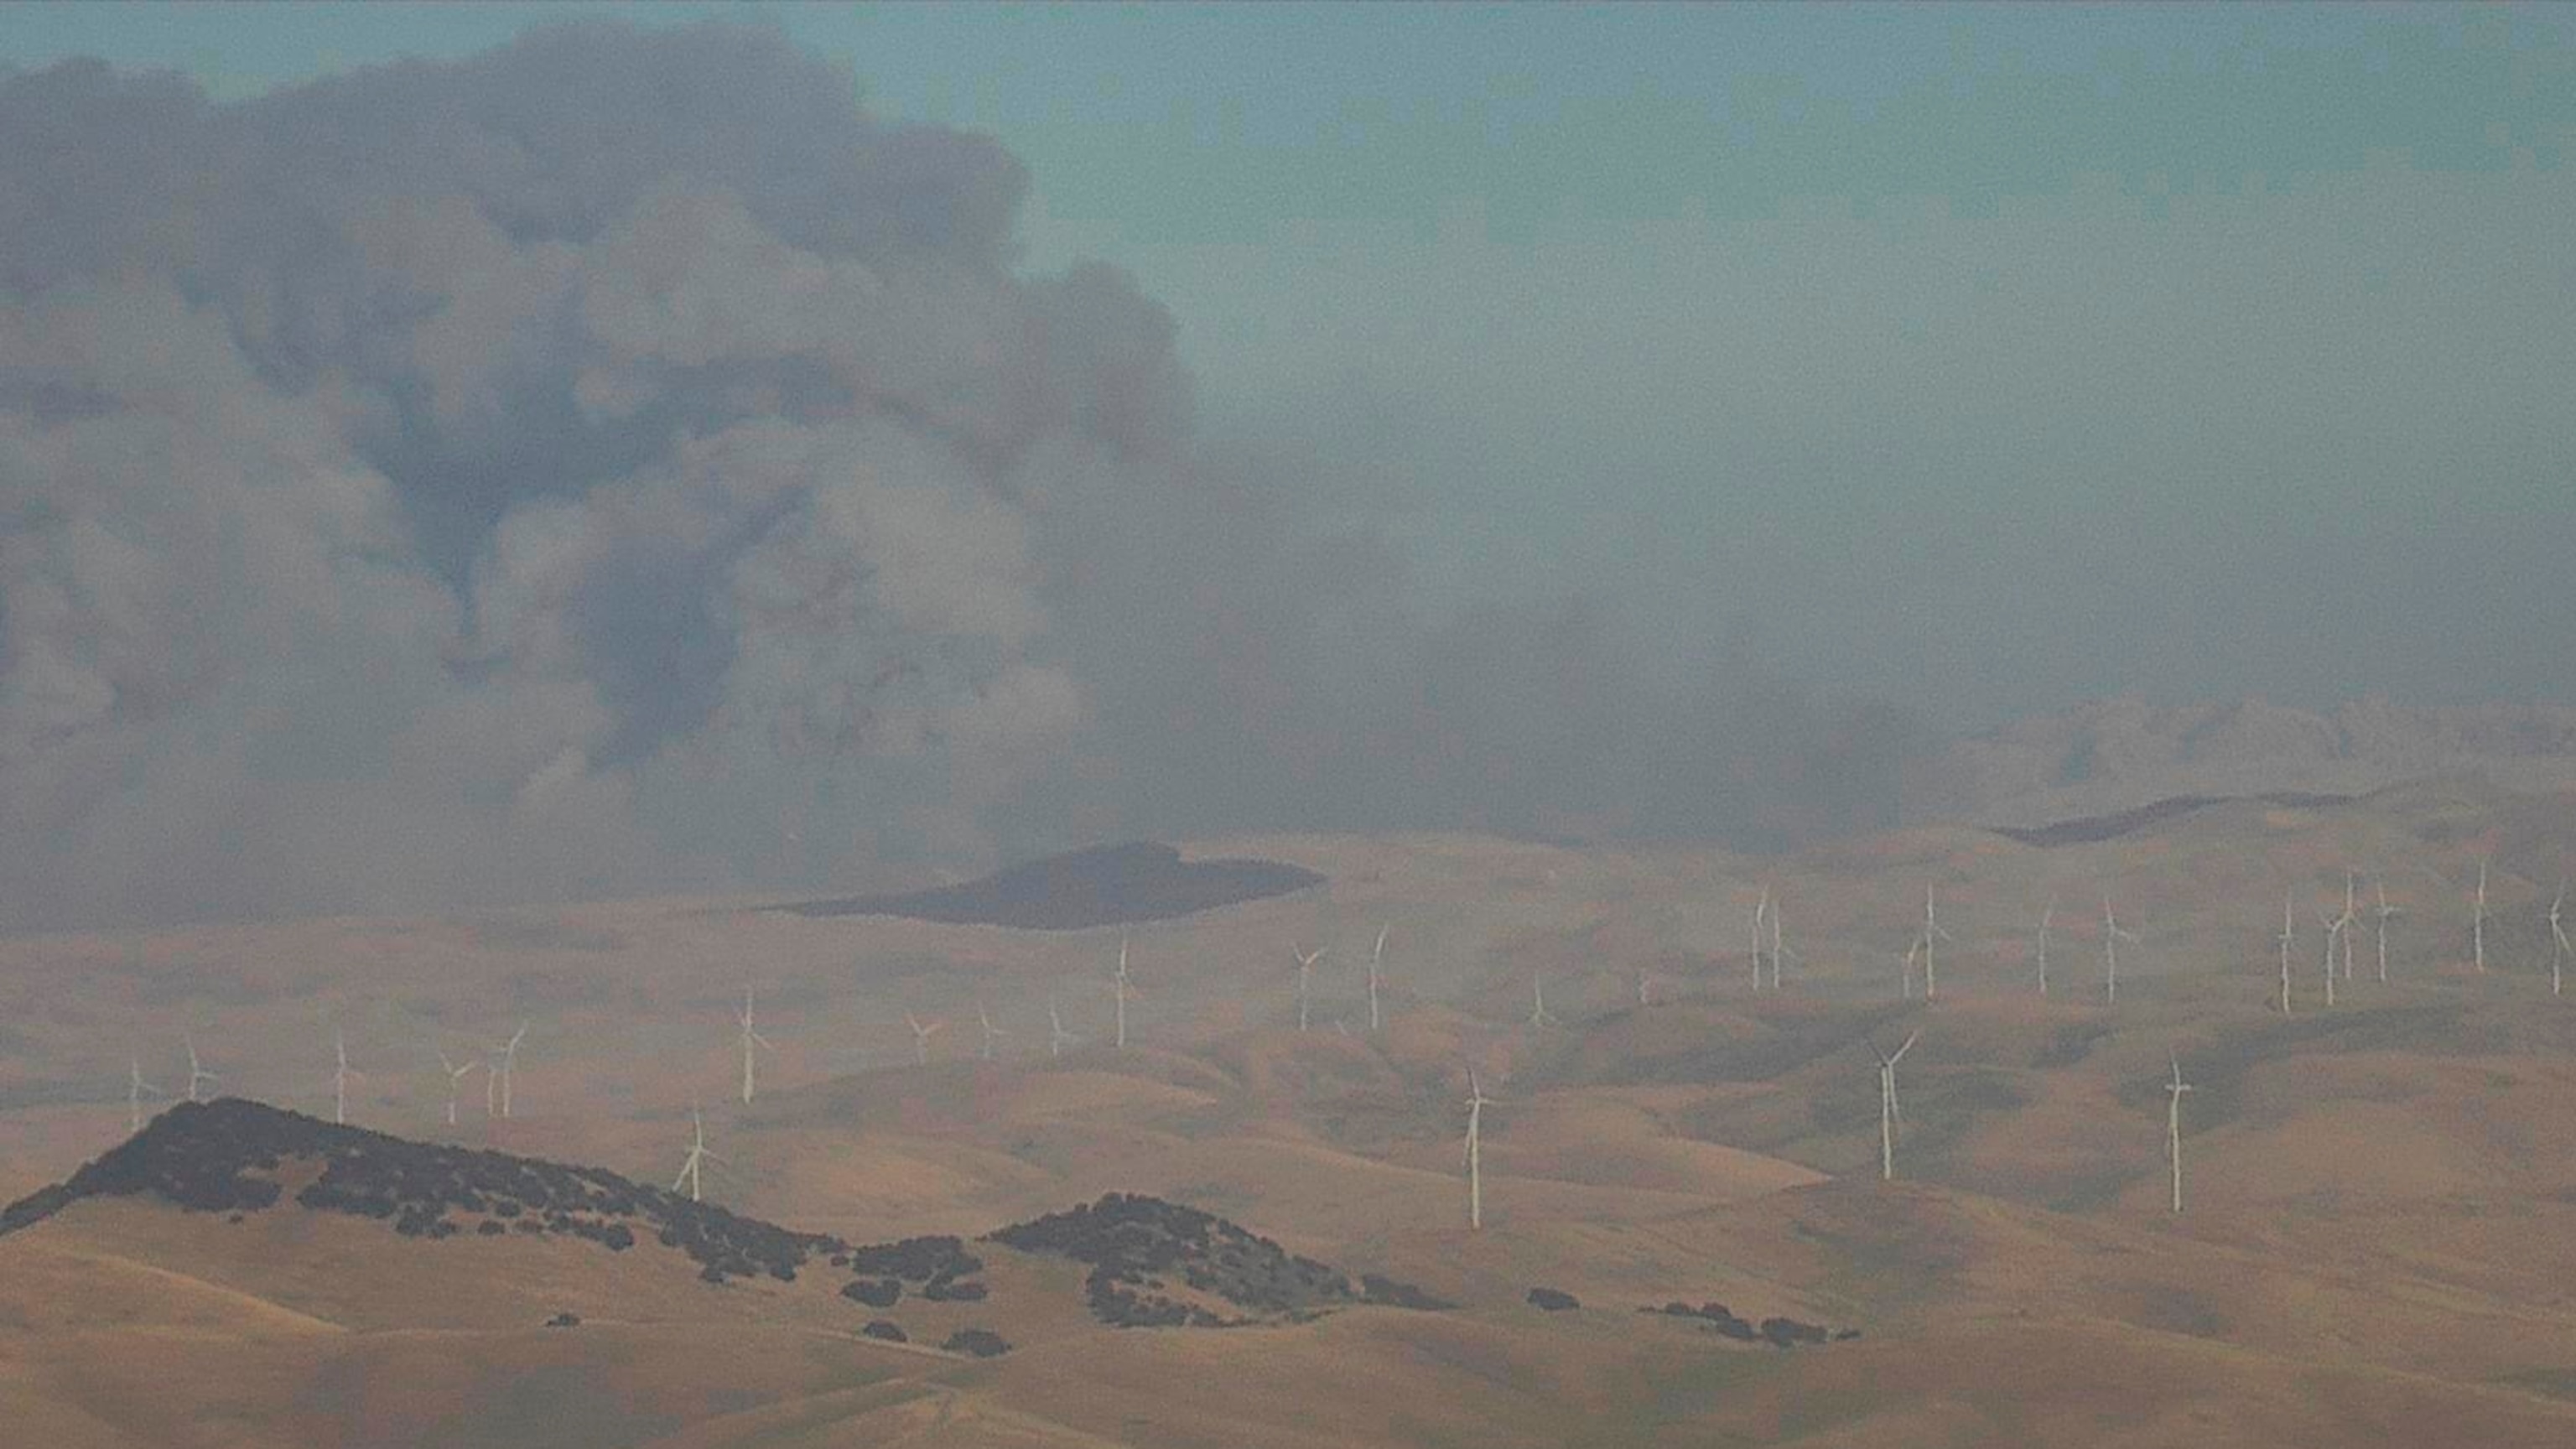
x=236 y=1158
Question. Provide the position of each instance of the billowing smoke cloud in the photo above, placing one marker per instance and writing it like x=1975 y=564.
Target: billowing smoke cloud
x=617 y=463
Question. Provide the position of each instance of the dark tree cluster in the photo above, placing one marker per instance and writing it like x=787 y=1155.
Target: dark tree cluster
x=874 y=1292
x=1778 y=1332
x=223 y=1156
x=882 y=1329
x=1135 y=1244
x=1552 y=1300
x=980 y=1342
x=201 y=1156
x=939 y=1266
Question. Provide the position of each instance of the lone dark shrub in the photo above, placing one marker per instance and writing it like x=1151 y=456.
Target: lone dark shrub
x=980 y=1342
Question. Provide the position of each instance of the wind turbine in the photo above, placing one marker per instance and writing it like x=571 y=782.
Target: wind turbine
x=509 y=1068
x=1539 y=1014
x=2334 y=928
x=1377 y=963
x=1477 y=1102
x=2558 y=943
x=2345 y=922
x=2046 y=917
x=698 y=1154
x=1887 y=1110
x=2112 y=936
x=1777 y=950
x=2173 y=1128
x=198 y=1076
x=340 y=1075
x=1306 y=980
x=992 y=1033
x=1911 y=949
x=752 y=1041
x=2478 y=921
x=1761 y=908
x=1122 y=990
x=1931 y=932
x=1645 y=985
x=2289 y=936
x=135 y=1087
x=2384 y=911
x=455 y=1075
x=921 y=1034
x=1057 y=1037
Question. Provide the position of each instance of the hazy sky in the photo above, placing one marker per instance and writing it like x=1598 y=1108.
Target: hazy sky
x=1993 y=356
x=1982 y=359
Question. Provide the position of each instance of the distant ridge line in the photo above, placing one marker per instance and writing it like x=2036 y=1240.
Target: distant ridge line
x=1106 y=885
x=2090 y=828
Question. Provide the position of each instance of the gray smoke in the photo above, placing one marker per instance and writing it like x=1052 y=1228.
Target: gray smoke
x=617 y=463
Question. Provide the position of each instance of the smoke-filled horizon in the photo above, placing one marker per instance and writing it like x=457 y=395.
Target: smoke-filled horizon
x=615 y=463
x=618 y=462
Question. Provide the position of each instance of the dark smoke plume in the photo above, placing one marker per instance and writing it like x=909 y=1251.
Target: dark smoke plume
x=617 y=463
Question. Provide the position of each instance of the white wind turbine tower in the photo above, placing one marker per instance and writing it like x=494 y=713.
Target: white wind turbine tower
x=1645 y=985
x=198 y=1076
x=752 y=1042
x=1911 y=948
x=2289 y=936
x=1122 y=990
x=1761 y=908
x=2173 y=1128
x=2346 y=924
x=135 y=1087
x=455 y=1076
x=698 y=1153
x=1931 y=932
x=1377 y=974
x=2112 y=936
x=2384 y=911
x=1057 y=1037
x=1887 y=1110
x=1306 y=980
x=2046 y=918
x=921 y=1034
x=2478 y=921
x=1777 y=950
x=509 y=1071
x=2557 y=943
x=2334 y=928
x=992 y=1033
x=340 y=1075
x=1477 y=1102
x=1539 y=1014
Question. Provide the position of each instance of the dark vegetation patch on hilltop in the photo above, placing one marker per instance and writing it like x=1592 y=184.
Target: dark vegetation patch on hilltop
x=2092 y=828
x=1777 y=1331
x=227 y=1156
x=1107 y=885
x=230 y=1156
x=1136 y=1245
x=238 y=1157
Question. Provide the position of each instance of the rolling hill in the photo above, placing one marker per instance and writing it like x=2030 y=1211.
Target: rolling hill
x=2381 y=1196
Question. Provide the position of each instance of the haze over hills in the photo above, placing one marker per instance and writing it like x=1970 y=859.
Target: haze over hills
x=2118 y=754
x=2378 y=1192
x=581 y=594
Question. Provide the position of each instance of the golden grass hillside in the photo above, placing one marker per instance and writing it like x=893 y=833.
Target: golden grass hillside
x=2380 y=1202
